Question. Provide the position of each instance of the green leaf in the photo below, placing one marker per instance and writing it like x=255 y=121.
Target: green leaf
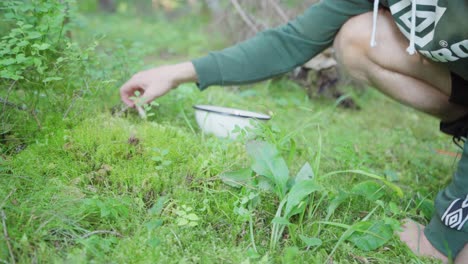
x=264 y=184
x=154 y=242
x=392 y=186
x=237 y=179
x=268 y=162
x=166 y=163
x=427 y=208
x=182 y=221
x=311 y=241
x=192 y=224
x=391 y=175
x=42 y=46
x=23 y=43
x=192 y=217
x=154 y=224
x=7 y=62
x=337 y=201
x=181 y=213
x=157 y=208
x=158 y=159
x=280 y=221
x=370 y=235
x=34 y=35
x=305 y=173
x=298 y=193
x=52 y=79
x=371 y=190
x=20 y=58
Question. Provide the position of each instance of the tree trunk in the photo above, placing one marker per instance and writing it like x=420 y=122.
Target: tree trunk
x=107 y=5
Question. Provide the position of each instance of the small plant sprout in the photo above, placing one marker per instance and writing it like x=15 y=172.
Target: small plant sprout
x=144 y=110
x=186 y=216
x=160 y=158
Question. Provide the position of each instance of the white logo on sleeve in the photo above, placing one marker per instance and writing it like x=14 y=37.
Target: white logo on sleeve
x=428 y=15
x=456 y=215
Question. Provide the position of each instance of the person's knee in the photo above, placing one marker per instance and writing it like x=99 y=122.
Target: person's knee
x=352 y=46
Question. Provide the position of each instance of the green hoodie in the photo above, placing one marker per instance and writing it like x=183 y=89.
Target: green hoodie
x=440 y=33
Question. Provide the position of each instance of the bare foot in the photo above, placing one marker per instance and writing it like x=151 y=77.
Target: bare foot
x=414 y=237
x=462 y=257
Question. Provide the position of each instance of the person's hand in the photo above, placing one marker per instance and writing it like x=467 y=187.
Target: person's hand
x=156 y=82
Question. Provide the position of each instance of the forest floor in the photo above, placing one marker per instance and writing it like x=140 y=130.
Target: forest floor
x=102 y=187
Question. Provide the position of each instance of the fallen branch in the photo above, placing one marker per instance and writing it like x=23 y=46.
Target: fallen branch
x=8 y=94
x=244 y=16
x=6 y=103
x=7 y=197
x=99 y=232
x=7 y=237
x=76 y=96
x=279 y=11
x=34 y=115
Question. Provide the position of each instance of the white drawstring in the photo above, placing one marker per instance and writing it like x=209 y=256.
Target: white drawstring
x=412 y=46
x=412 y=49
x=373 y=43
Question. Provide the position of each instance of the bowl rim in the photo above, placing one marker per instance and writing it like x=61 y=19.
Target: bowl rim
x=245 y=114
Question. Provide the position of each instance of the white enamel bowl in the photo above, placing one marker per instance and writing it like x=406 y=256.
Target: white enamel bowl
x=222 y=121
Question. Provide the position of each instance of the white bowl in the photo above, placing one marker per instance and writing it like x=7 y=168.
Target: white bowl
x=221 y=121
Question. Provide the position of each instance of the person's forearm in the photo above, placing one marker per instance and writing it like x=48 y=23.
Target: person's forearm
x=279 y=50
x=183 y=72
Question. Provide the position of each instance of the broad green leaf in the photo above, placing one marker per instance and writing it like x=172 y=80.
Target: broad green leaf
x=34 y=35
x=311 y=241
x=392 y=186
x=241 y=211
x=192 y=224
x=42 y=46
x=237 y=179
x=305 y=173
x=192 y=217
x=280 y=221
x=181 y=213
x=20 y=58
x=426 y=207
x=166 y=162
x=154 y=242
x=157 y=208
x=7 y=62
x=370 y=235
x=391 y=175
x=268 y=162
x=337 y=201
x=371 y=190
x=265 y=184
x=23 y=43
x=298 y=193
x=151 y=225
x=182 y=221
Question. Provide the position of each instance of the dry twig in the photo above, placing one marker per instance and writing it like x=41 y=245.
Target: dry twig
x=7 y=237
x=99 y=232
x=7 y=197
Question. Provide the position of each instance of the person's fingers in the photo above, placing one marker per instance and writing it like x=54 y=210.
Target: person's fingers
x=148 y=97
x=126 y=92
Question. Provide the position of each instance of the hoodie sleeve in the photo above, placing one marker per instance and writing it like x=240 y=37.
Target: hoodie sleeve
x=279 y=50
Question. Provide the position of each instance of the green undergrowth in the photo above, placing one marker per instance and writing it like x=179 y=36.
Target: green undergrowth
x=103 y=186
x=151 y=191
